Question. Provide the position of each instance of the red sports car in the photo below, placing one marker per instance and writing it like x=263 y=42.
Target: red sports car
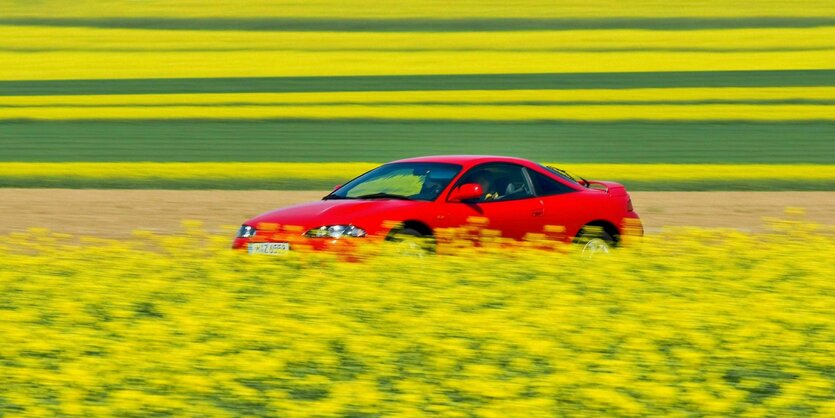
x=410 y=200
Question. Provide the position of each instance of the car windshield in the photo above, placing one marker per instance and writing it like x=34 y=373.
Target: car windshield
x=411 y=181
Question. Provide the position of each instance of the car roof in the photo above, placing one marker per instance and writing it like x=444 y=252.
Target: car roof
x=465 y=160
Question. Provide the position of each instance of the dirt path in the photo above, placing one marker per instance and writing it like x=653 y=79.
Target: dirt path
x=115 y=213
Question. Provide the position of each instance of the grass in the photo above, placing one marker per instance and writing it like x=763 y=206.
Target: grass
x=297 y=24
x=560 y=81
x=380 y=141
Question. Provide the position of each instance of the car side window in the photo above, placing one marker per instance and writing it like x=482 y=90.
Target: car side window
x=546 y=186
x=499 y=181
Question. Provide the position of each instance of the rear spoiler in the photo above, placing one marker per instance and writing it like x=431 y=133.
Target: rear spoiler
x=610 y=187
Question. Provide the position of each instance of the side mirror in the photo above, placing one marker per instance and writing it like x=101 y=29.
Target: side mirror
x=467 y=191
x=337 y=187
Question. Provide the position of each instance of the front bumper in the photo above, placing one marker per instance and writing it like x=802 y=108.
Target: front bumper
x=300 y=242
x=297 y=244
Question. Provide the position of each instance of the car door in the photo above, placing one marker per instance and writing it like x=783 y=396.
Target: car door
x=508 y=203
x=562 y=204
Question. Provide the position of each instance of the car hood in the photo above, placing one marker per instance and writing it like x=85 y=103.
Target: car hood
x=366 y=214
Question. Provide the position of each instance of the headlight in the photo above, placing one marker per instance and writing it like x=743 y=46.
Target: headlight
x=335 y=231
x=246 y=231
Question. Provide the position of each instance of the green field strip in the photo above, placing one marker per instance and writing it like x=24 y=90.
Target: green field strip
x=758 y=102
x=375 y=140
x=558 y=81
x=299 y=24
x=327 y=184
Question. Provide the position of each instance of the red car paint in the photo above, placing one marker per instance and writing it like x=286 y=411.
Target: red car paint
x=582 y=203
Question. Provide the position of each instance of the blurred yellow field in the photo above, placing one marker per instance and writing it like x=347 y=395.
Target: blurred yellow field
x=712 y=321
x=55 y=53
x=652 y=104
x=188 y=94
x=44 y=39
x=346 y=171
x=776 y=103
x=168 y=64
x=462 y=97
x=436 y=112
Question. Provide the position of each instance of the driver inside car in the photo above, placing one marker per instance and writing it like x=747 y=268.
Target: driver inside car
x=484 y=179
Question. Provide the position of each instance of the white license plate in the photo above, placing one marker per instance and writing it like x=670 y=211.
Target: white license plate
x=269 y=248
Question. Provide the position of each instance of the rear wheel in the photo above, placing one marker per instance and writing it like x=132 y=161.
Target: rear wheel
x=412 y=243
x=594 y=241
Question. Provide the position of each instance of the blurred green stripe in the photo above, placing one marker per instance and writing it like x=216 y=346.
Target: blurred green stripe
x=617 y=80
x=428 y=24
x=380 y=140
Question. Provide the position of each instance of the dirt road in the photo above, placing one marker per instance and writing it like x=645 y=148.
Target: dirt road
x=115 y=213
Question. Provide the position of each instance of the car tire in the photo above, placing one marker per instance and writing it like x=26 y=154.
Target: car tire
x=594 y=241
x=411 y=242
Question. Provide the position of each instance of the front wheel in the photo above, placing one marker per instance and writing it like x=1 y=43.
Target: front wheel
x=410 y=242
x=594 y=241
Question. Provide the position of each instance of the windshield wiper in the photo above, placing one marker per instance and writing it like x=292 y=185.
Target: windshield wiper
x=569 y=175
x=335 y=197
x=383 y=195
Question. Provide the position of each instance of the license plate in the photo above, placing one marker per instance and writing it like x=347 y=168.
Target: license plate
x=269 y=248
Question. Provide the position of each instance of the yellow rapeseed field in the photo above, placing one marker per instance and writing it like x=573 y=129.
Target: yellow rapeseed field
x=485 y=97
x=42 y=51
x=603 y=112
x=688 y=322
x=46 y=38
x=45 y=52
x=327 y=171
x=691 y=104
x=57 y=65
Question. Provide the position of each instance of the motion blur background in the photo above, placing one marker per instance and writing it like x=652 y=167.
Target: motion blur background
x=671 y=97
x=713 y=113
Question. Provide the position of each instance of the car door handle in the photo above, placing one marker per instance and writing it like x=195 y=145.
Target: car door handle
x=538 y=212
